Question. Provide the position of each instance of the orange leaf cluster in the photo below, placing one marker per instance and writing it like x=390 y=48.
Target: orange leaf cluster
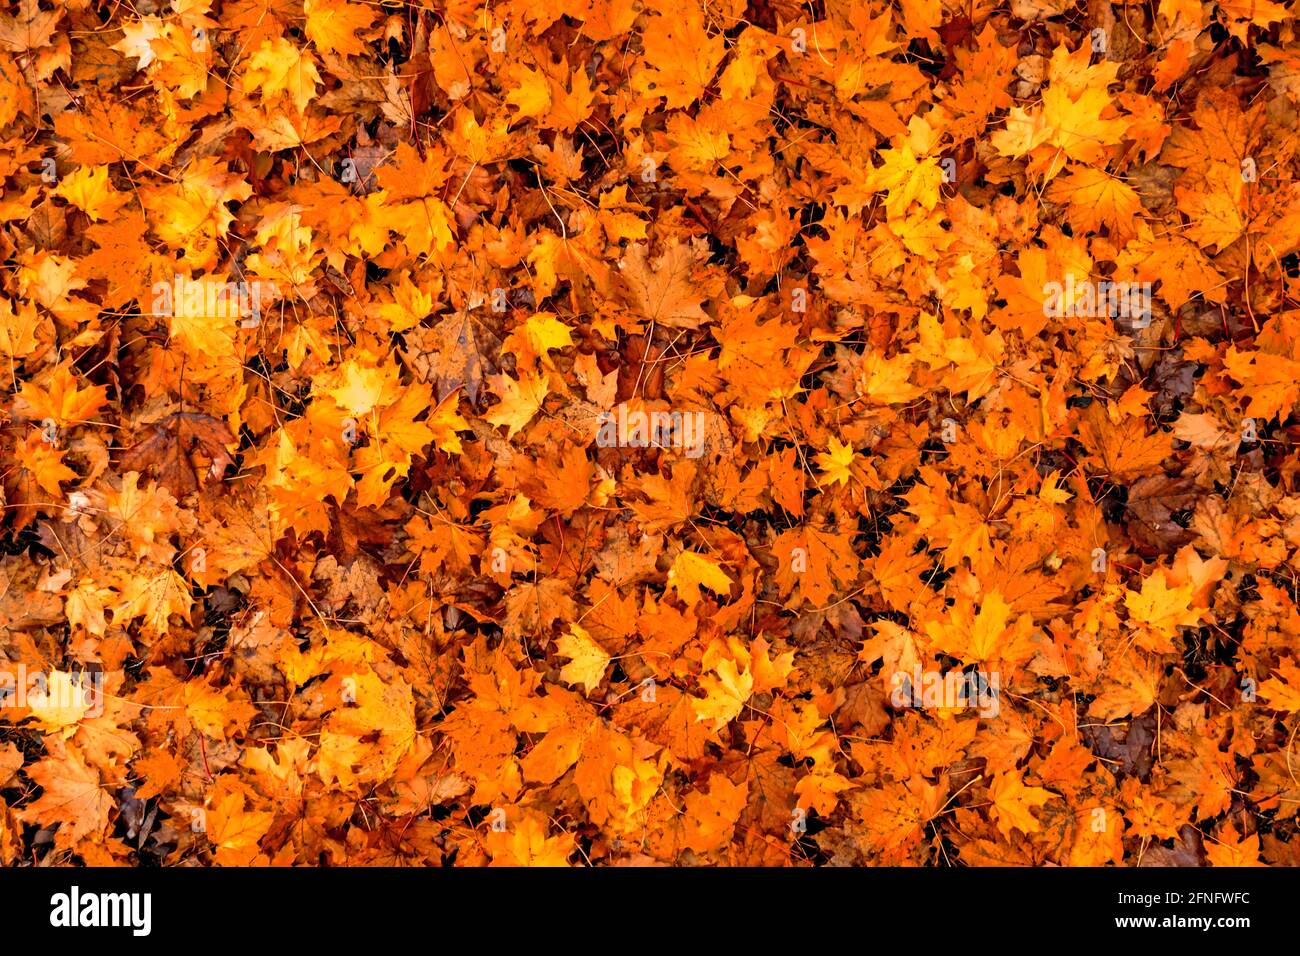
x=618 y=431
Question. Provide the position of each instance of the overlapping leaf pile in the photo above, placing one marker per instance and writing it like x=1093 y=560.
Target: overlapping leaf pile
x=364 y=587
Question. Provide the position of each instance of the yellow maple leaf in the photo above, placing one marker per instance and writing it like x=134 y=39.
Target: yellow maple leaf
x=1160 y=611
x=154 y=597
x=836 y=462
x=361 y=388
x=691 y=571
x=332 y=25
x=18 y=329
x=540 y=334
x=887 y=381
x=1216 y=208
x=530 y=92
x=277 y=66
x=520 y=400
x=62 y=702
x=1282 y=691
x=366 y=736
x=987 y=634
x=1095 y=199
x=906 y=178
x=137 y=39
x=424 y=224
x=191 y=213
x=89 y=190
x=726 y=691
x=587 y=659
x=1013 y=801
x=524 y=842
x=234 y=831
x=1272 y=382
x=681 y=57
